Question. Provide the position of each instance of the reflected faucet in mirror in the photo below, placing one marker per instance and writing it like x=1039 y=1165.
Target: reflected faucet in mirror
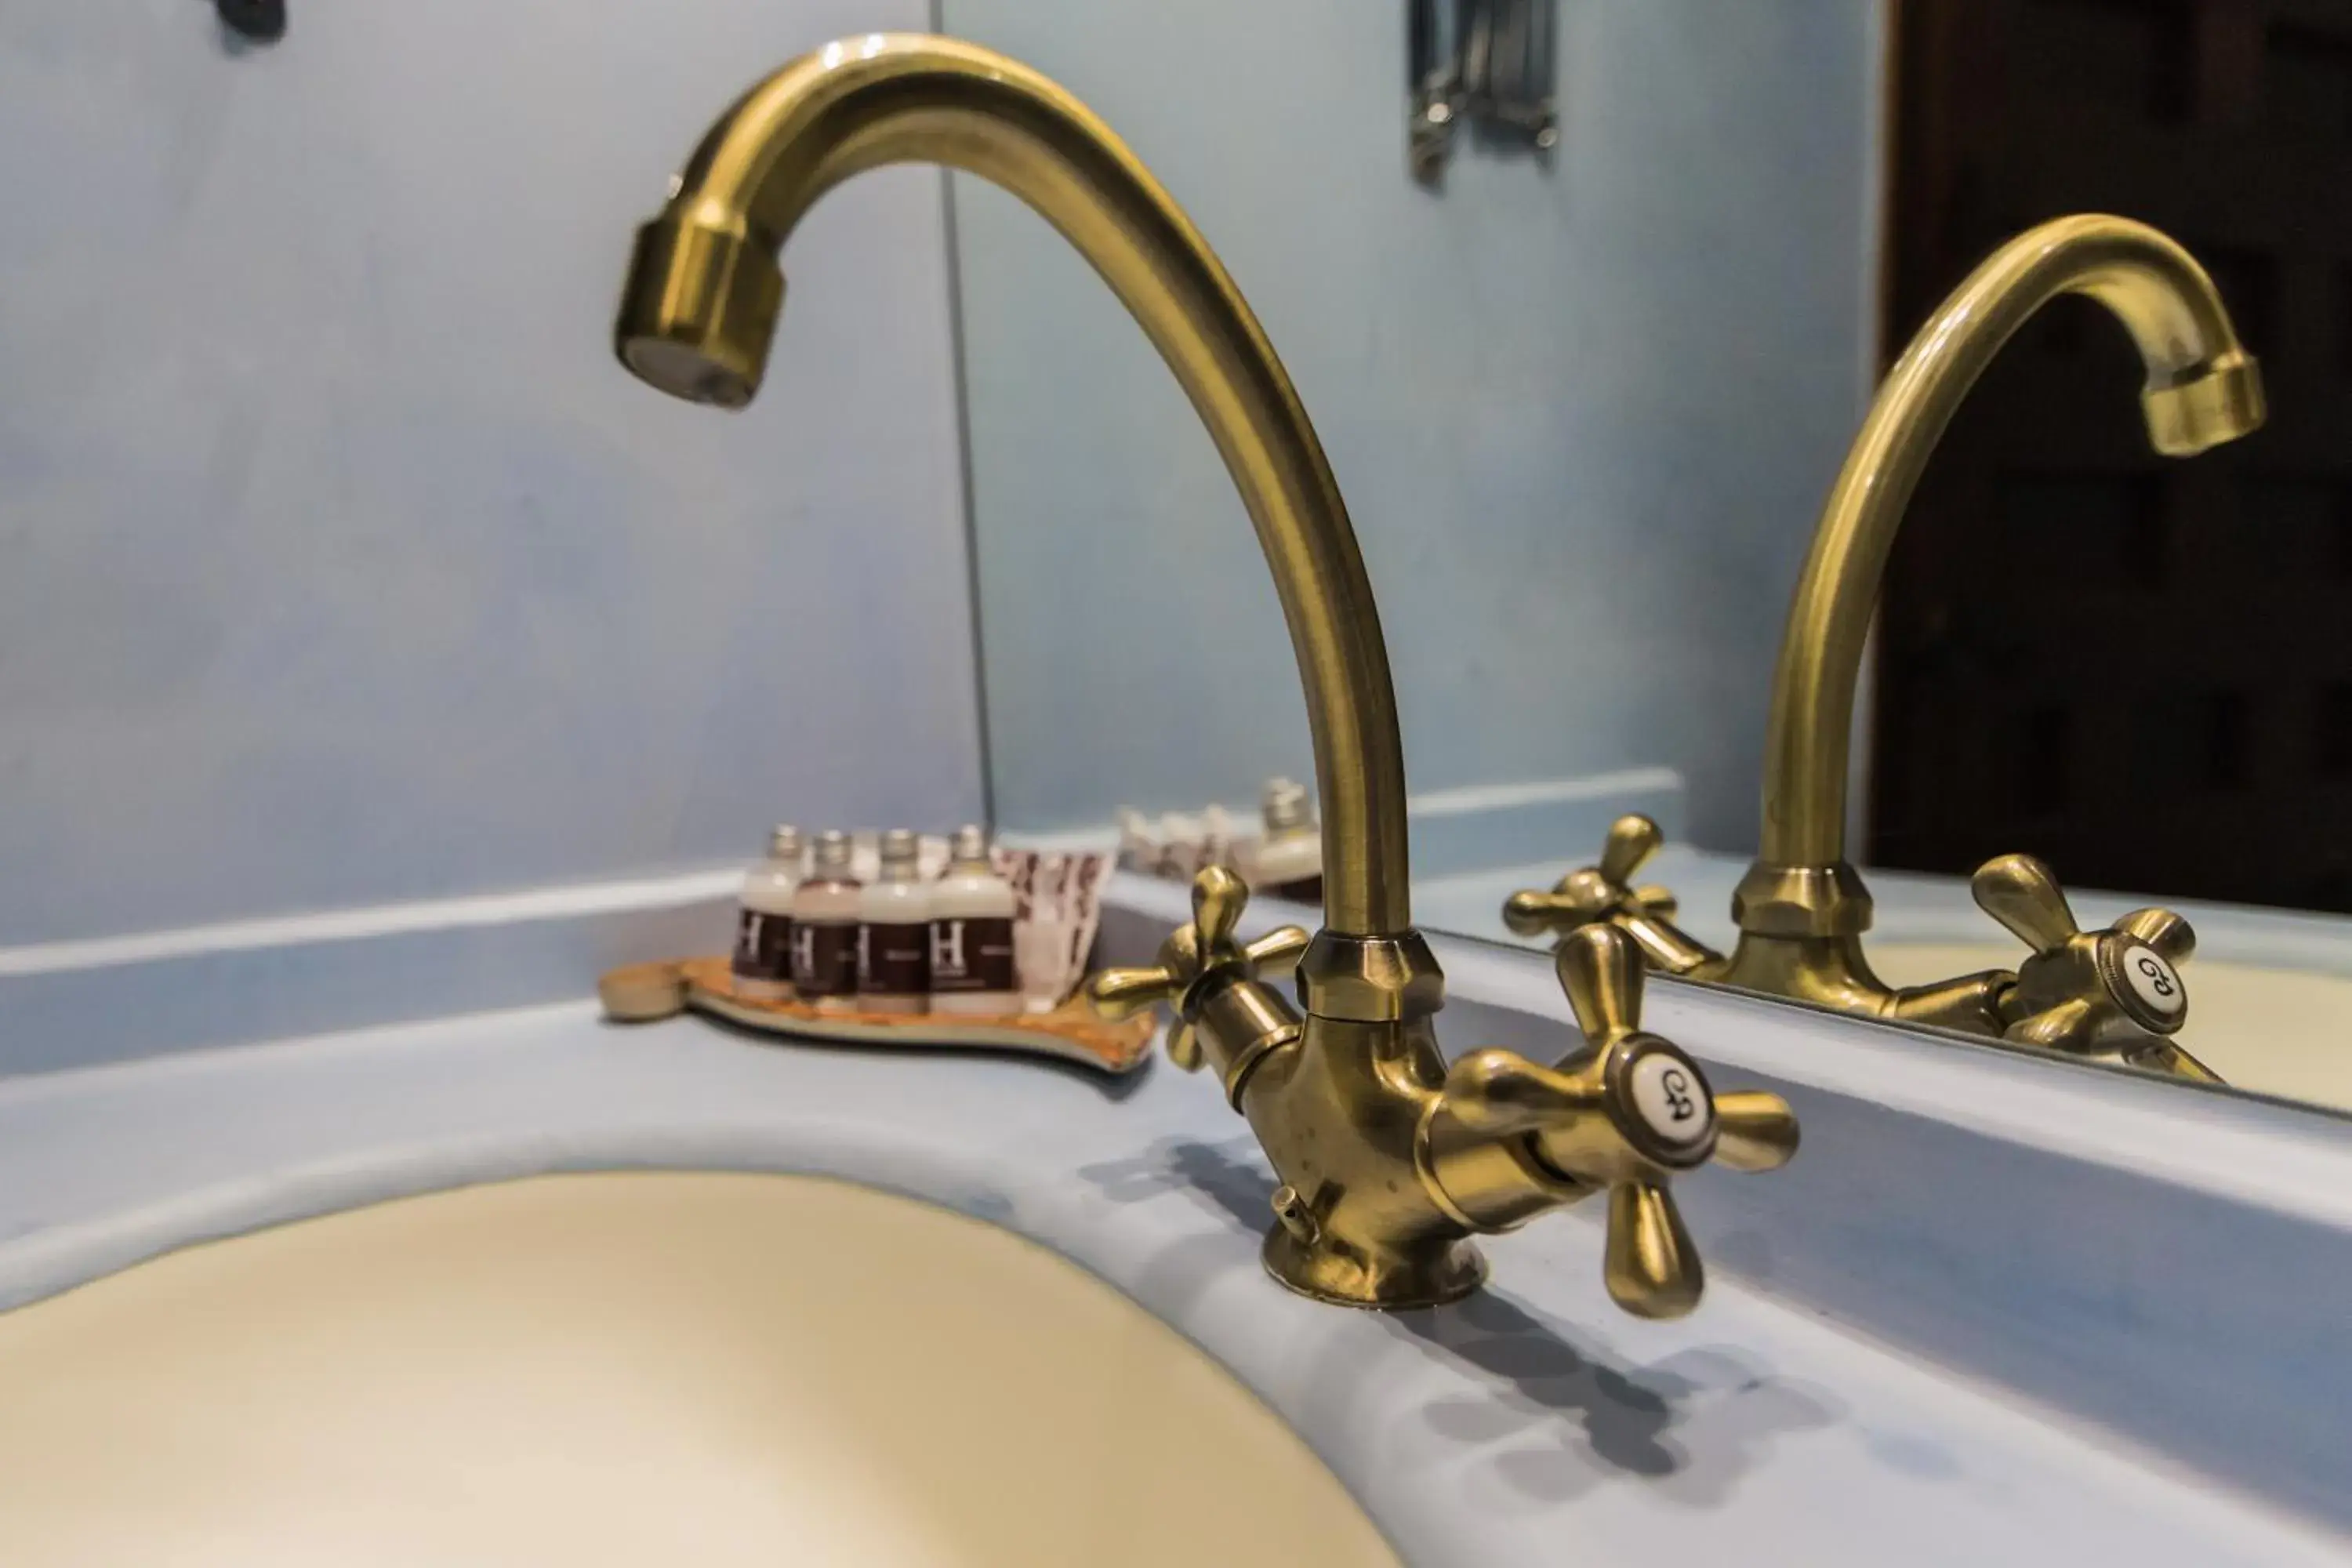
x=1388 y=1163
x=1801 y=909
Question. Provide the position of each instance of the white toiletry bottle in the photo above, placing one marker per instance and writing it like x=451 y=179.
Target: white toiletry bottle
x=825 y=913
x=1289 y=859
x=972 y=934
x=764 y=929
x=894 y=944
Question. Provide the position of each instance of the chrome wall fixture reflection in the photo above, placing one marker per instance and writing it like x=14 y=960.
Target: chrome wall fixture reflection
x=1801 y=908
x=1486 y=64
x=1389 y=1162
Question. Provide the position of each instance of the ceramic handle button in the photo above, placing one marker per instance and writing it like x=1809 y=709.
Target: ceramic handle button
x=1671 y=1097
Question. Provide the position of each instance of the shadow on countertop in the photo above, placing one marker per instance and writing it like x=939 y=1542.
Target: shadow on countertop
x=1573 y=1413
x=1693 y=1423
x=1230 y=1177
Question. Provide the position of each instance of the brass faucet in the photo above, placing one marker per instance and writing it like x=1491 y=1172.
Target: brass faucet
x=1801 y=909
x=1388 y=1162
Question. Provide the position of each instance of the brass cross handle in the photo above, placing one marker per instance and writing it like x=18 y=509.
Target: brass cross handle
x=2116 y=992
x=1193 y=958
x=1628 y=1110
x=1605 y=893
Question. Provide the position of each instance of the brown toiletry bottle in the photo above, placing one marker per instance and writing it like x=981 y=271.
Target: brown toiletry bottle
x=764 y=929
x=894 y=936
x=825 y=913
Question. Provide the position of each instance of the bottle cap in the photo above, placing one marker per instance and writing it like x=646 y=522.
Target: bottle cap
x=900 y=849
x=785 y=843
x=970 y=845
x=834 y=854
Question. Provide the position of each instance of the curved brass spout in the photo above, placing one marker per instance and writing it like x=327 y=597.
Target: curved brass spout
x=2203 y=389
x=700 y=310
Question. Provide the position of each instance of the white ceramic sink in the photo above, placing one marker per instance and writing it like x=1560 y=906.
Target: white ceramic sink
x=2279 y=1031
x=638 y=1369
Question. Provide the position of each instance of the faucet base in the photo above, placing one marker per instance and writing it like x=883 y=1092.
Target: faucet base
x=1831 y=971
x=1427 y=1273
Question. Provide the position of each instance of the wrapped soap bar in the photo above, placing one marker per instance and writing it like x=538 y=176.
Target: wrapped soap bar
x=1057 y=907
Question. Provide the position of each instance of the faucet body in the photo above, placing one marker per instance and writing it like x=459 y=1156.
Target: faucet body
x=1802 y=908
x=1389 y=1159
x=1339 y=1107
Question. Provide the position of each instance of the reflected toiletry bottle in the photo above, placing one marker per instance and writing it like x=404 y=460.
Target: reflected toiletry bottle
x=931 y=858
x=763 y=932
x=1179 y=847
x=1138 y=849
x=895 y=933
x=1289 y=859
x=972 y=934
x=1216 y=839
x=864 y=855
x=825 y=928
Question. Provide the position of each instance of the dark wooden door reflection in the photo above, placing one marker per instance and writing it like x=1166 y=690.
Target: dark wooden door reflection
x=2137 y=668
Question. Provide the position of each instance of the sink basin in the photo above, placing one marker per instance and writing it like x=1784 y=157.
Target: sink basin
x=640 y=1368
x=2279 y=1031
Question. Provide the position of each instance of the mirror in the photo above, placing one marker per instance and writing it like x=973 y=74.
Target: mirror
x=1587 y=402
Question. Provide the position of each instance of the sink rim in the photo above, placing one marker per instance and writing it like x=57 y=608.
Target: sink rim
x=129 y=1160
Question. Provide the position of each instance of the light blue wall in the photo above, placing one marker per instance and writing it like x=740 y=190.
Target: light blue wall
x=338 y=562
x=1584 y=418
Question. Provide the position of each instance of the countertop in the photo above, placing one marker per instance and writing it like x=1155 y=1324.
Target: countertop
x=1531 y=1424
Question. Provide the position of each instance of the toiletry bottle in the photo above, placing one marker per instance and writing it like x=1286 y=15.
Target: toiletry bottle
x=763 y=932
x=1289 y=859
x=894 y=943
x=972 y=934
x=825 y=928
